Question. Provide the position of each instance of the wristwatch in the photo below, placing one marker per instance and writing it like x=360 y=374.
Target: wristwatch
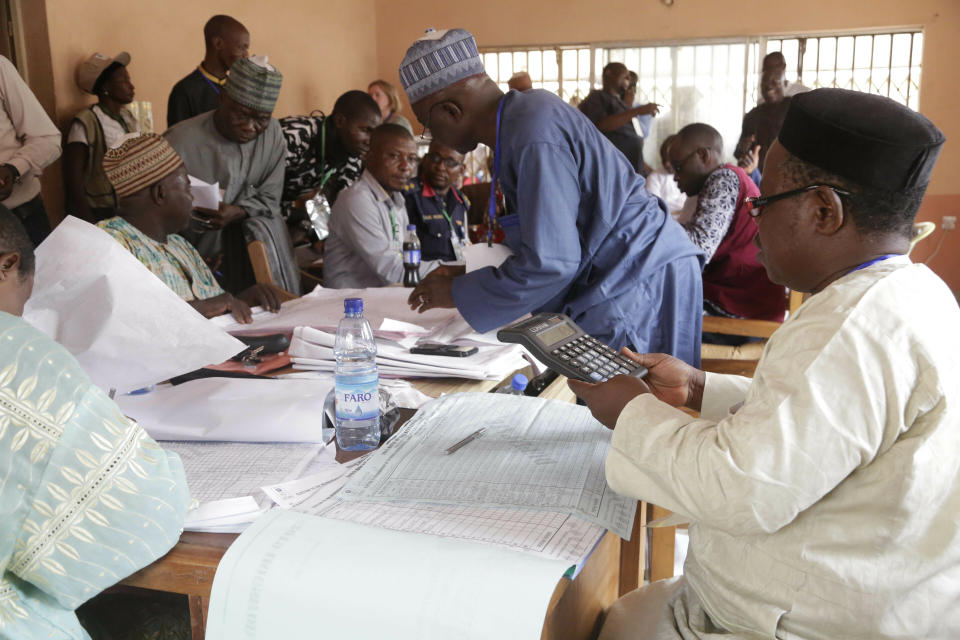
x=14 y=170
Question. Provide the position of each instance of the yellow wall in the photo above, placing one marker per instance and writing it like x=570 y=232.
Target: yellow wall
x=322 y=49
x=512 y=22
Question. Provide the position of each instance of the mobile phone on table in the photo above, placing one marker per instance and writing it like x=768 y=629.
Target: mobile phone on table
x=452 y=350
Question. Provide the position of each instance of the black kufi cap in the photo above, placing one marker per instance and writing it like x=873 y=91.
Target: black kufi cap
x=868 y=139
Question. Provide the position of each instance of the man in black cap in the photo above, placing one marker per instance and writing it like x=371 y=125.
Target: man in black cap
x=823 y=494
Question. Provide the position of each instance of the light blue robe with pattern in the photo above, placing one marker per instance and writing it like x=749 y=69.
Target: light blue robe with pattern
x=86 y=497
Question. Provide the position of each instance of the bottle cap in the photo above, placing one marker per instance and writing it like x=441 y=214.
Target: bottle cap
x=519 y=382
x=353 y=305
x=411 y=227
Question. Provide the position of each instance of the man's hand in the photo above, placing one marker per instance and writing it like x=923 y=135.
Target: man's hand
x=7 y=180
x=218 y=305
x=263 y=295
x=219 y=218
x=649 y=109
x=436 y=290
x=750 y=160
x=744 y=145
x=607 y=399
x=670 y=379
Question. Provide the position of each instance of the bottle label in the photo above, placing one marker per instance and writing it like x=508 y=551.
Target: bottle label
x=411 y=256
x=358 y=400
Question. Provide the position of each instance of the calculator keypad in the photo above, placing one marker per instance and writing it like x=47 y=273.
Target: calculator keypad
x=595 y=360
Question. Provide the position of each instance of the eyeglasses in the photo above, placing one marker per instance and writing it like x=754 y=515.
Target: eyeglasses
x=678 y=167
x=436 y=158
x=756 y=204
x=427 y=135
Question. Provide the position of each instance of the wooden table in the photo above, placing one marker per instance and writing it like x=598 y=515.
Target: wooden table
x=615 y=567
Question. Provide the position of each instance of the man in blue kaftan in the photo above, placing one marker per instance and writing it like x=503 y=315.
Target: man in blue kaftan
x=588 y=240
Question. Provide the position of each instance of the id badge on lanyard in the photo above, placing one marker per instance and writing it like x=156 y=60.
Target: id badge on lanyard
x=458 y=244
x=457 y=241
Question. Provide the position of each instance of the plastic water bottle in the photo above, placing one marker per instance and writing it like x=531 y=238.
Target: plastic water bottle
x=516 y=386
x=357 y=381
x=411 y=257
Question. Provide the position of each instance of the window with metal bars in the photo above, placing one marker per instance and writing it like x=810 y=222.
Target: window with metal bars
x=717 y=81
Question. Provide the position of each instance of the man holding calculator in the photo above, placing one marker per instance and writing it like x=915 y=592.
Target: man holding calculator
x=588 y=240
x=822 y=495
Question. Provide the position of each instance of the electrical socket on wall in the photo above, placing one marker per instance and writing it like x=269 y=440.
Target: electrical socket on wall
x=949 y=223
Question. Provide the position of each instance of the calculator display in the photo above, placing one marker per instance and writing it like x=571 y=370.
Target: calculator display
x=556 y=334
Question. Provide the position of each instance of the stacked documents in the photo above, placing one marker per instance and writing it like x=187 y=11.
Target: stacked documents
x=225 y=478
x=312 y=349
x=548 y=535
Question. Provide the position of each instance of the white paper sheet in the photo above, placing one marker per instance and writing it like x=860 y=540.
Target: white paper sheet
x=233 y=410
x=205 y=195
x=227 y=515
x=479 y=255
x=127 y=329
x=290 y=494
x=534 y=453
x=323 y=309
x=296 y=576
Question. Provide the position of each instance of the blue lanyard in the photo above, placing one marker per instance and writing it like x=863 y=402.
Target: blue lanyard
x=875 y=261
x=213 y=85
x=493 y=176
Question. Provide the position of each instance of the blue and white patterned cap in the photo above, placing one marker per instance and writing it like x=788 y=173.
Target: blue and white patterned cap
x=438 y=60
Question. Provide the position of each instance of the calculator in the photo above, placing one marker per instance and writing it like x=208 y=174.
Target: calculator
x=555 y=340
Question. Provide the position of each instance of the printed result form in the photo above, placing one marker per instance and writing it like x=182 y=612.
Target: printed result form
x=533 y=454
x=545 y=533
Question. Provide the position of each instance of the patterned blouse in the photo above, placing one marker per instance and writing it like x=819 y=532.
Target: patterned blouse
x=716 y=207
x=304 y=170
x=87 y=497
x=176 y=261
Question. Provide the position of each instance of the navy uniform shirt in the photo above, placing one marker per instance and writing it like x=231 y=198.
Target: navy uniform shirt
x=426 y=210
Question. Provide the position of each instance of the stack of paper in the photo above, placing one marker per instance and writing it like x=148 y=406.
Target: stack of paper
x=312 y=349
x=295 y=576
x=226 y=478
x=549 y=535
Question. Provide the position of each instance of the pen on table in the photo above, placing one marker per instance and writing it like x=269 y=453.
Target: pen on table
x=470 y=438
